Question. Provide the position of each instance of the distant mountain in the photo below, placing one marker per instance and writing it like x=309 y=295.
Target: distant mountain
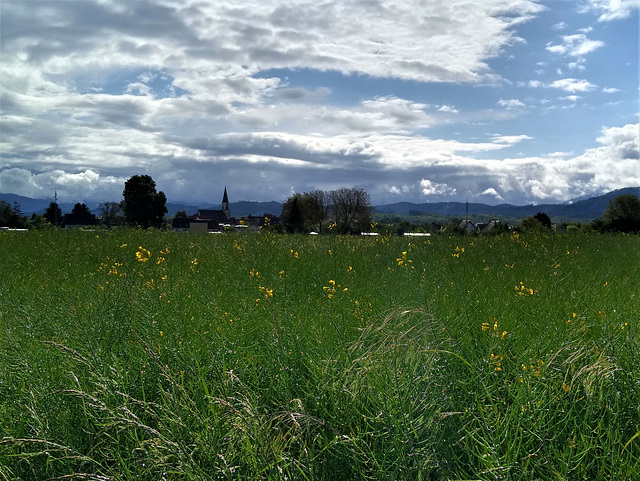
x=583 y=210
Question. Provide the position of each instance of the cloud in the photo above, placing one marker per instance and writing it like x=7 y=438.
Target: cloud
x=448 y=109
x=576 y=45
x=511 y=103
x=573 y=85
x=491 y=192
x=612 y=9
x=610 y=90
x=431 y=188
x=198 y=94
x=191 y=38
x=68 y=185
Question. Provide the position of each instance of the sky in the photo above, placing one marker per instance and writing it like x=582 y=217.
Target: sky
x=493 y=101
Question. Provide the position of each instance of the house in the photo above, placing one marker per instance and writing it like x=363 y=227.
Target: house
x=467 y=225
x=215 y=220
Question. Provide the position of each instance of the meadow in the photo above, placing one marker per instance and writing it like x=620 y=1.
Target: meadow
x=147 y=355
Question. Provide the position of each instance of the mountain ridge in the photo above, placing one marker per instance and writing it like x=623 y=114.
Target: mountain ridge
x=582 y=210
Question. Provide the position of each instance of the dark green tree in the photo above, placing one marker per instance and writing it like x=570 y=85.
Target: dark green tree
x=143 y=205
x=622 y=215
x=81 y=210
x=38 y=221
x=7 y=214
x=53 y=214
x=292 y=215
x=543 y=219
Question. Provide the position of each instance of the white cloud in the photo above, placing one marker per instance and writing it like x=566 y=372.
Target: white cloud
x=431 y=188
x=610 y=90
x=491 y=192
x=579 y=65
x=576 y=45
x=511 y=103
x=573 y=85
x=193 y=93
x=612 y=9
x=448 y=109
x=69 y=186
x=194 y=39
x=510 y=139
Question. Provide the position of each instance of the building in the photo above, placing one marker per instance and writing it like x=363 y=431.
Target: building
x=215 y=220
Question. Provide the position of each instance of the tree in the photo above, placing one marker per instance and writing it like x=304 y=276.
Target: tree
x=351 y=210
x=292 y=215
x=81 y=210
x=543 y=219
x=622 y=215
x=7 y=214
x=111 y=214
x=316 y=210
x=531 y=224
x=142 y=204
x=53 y=214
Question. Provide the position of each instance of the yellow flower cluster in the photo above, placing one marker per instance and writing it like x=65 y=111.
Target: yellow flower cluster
x=143 y=255
x=267 y=292
x=332 y=288
x=487 y=327
x=496 y=360
x=459 y=250
x=534 y=368
x=522 y=290
x=403 y=261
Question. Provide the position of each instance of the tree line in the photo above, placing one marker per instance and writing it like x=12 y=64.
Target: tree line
x=341 y=211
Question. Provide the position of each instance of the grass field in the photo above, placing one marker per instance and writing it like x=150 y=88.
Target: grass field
x=130 y=354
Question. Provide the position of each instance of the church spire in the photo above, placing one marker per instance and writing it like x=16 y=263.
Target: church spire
x=225 y=204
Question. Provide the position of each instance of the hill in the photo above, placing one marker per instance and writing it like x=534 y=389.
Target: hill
x=582 y=210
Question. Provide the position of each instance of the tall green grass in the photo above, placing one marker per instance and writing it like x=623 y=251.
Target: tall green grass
x=131 y=354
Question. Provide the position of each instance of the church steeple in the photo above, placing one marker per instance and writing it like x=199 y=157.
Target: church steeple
x=225 y=204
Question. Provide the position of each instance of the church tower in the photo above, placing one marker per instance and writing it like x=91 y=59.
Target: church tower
x=225 y=204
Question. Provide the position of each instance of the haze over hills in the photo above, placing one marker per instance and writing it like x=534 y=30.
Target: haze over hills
x=583 y=210
x=580 y=210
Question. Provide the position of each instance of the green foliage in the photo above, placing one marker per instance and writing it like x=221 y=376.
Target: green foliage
x=81 y=210
x=531 y=224
x=143 y=205
x=11 y=216
x=543 y=219
x=130 y=354
x=111 y=214
x=53 y=214
x=622 y=215
x=348 y=209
